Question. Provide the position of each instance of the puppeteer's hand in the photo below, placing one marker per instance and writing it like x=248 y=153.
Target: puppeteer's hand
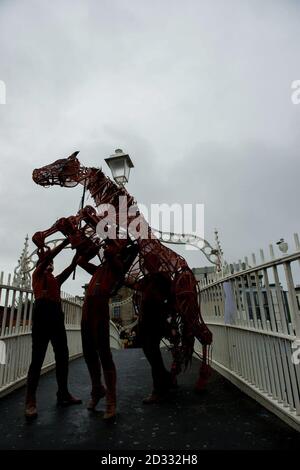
x=39 y=240
x=76 y=257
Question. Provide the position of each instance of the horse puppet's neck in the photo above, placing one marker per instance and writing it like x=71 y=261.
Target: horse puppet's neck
x=116 y=205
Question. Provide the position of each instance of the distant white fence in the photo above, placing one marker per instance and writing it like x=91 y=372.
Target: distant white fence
x=253 y=312
x=15 y=333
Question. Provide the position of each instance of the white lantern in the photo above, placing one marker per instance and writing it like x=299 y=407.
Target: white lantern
x=282 y=245
x=120 y=164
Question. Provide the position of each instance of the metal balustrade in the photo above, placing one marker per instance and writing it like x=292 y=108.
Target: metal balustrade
x=15 y=333
x=253 y=312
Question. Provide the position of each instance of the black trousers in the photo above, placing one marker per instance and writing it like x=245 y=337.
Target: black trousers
x=48 y=325
x=95 y=338
x=151 y=329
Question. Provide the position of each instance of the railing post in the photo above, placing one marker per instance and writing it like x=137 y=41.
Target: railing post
x=255 y=351
x=294 y=311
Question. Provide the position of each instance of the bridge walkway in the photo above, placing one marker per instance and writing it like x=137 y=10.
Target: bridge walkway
x=222 y=417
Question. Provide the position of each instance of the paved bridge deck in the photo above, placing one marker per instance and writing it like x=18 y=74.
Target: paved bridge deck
x=220 y=418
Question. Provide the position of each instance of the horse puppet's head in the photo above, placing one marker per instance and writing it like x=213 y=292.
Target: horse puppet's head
x=65 y=172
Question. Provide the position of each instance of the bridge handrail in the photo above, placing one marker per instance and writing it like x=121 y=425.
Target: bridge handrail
x=254 y=314
x=16 y=306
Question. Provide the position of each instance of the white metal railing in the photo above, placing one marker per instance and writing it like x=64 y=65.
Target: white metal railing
x=115 y=341
x=253 y=312
x=15 y=333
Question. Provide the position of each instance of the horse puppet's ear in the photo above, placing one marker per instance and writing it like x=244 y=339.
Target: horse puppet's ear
x=73 y=156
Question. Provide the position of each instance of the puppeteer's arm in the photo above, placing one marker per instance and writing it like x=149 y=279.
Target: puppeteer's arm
x=48 y=255
x=86 y=265
x=63 y=276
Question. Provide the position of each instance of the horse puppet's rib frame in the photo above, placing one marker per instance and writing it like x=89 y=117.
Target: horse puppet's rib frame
x=181 y=307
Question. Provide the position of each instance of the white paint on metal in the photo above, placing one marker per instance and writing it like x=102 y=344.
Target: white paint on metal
x=15 y=333
x=255 y=350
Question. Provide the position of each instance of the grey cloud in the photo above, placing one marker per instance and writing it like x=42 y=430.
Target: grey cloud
x=197 y=92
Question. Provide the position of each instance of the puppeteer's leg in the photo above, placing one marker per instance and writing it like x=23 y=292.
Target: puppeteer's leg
x=108 y=366
x=40 y=340
x=162 y=381
x=151 y=328
x=60 y=346
x=187 y=305
x=97 y=352
x=89 y=334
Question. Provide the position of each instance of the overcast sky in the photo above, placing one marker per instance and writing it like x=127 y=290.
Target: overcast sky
x=197 y=92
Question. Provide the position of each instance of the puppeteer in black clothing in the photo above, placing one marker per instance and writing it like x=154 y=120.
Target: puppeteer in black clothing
x=48 y=325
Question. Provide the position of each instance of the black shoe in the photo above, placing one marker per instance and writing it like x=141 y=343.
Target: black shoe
x=156 y=397
x=68 y=400
x=30 y=411
x=95 y=398
x=173 y=385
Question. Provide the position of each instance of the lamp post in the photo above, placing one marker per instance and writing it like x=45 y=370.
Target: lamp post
x=120 y=164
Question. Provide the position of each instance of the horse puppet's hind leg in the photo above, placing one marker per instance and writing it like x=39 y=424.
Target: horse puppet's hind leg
x=186 y=304
x=204 y=335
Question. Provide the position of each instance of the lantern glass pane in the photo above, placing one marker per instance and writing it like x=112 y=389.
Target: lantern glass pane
x=117 y=168
x=126 y=170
